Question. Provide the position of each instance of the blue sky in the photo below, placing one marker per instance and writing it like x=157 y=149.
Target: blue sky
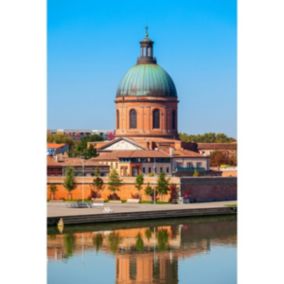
x=91 y=45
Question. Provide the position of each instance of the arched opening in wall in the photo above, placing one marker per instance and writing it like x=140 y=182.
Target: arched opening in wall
x=117 y=119
x=174 y=119
x=132 y=118
x=156 y=118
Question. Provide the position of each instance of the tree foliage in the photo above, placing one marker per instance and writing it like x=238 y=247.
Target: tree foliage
x=139 y=182
x=218 y=158
x=76 y=148
x=114 y=181
x=149 y=190
x=209 y=137
x=98 y=181
x=53 y=190
x=162 y=184
x=163 y=240
x=69 y=183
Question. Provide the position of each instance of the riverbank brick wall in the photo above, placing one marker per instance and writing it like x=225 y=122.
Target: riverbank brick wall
x=84 y=186
x=198 y=189
x=205 y=189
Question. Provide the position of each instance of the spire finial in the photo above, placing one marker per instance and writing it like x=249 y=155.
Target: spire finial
x=146 y=32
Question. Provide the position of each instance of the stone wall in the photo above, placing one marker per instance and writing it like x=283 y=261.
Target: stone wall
x=204 y=189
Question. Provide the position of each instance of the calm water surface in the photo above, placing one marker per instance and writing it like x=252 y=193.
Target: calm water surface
x=194 y=251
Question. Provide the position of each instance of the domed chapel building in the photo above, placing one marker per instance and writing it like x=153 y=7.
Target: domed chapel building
x=147 y=124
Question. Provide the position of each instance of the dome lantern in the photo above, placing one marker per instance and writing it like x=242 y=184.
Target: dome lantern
x=146 y=50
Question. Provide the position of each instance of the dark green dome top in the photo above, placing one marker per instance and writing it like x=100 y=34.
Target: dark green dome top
x=147 y=78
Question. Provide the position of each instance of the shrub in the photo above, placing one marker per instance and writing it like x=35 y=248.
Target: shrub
x=173 y=193
x=135 y=195
x=113 y=196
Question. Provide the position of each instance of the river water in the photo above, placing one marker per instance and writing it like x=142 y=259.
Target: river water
x=188 y=250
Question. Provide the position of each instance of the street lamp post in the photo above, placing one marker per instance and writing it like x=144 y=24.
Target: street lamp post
x=83 y=178
x=156 y=177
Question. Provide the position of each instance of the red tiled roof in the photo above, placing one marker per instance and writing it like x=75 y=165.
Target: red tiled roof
x=115 y=155
x=71 y=162
x=55 y=145
x=217 y=146
x=182 y=153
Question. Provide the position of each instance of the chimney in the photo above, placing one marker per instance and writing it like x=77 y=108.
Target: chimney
x=171 y=151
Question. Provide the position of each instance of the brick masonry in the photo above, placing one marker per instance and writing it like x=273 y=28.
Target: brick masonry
x=205 y=189
x=199 y=189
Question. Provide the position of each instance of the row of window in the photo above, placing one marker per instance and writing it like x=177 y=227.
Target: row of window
x=145 y=160
x=155 y=121
x=189 y=165
x=155 y=170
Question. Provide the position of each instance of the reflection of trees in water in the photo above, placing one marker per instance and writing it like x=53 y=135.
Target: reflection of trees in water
x=163 y=239
x=98 y=241
x=185 y=237
x=114 y=241
x=69 y=243
x=175 y=231
x=139 y=243
x=148 y=234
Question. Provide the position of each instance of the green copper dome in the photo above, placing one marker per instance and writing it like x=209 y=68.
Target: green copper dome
x=147 y=80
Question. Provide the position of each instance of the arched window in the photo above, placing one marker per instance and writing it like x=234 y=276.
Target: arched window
x=156 y=118
x=117 y=119
x=133 y=118
x=174 y=119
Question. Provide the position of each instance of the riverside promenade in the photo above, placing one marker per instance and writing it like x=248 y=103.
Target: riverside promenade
x=131 y=212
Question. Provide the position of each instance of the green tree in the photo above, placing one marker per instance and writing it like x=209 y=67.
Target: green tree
x=69 y=183
x=81 y=147
x=89 y=152
x=139 y=182
x=163 y=184
x=98 y=182
x=209 y=137
x=114 y=181
x=53 y=190
x=149 y=190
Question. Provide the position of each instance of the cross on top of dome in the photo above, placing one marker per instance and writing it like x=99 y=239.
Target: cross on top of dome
x=146 y=31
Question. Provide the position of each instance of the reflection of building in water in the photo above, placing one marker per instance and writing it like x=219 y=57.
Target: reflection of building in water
x=146 y=255
x=146 y=268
